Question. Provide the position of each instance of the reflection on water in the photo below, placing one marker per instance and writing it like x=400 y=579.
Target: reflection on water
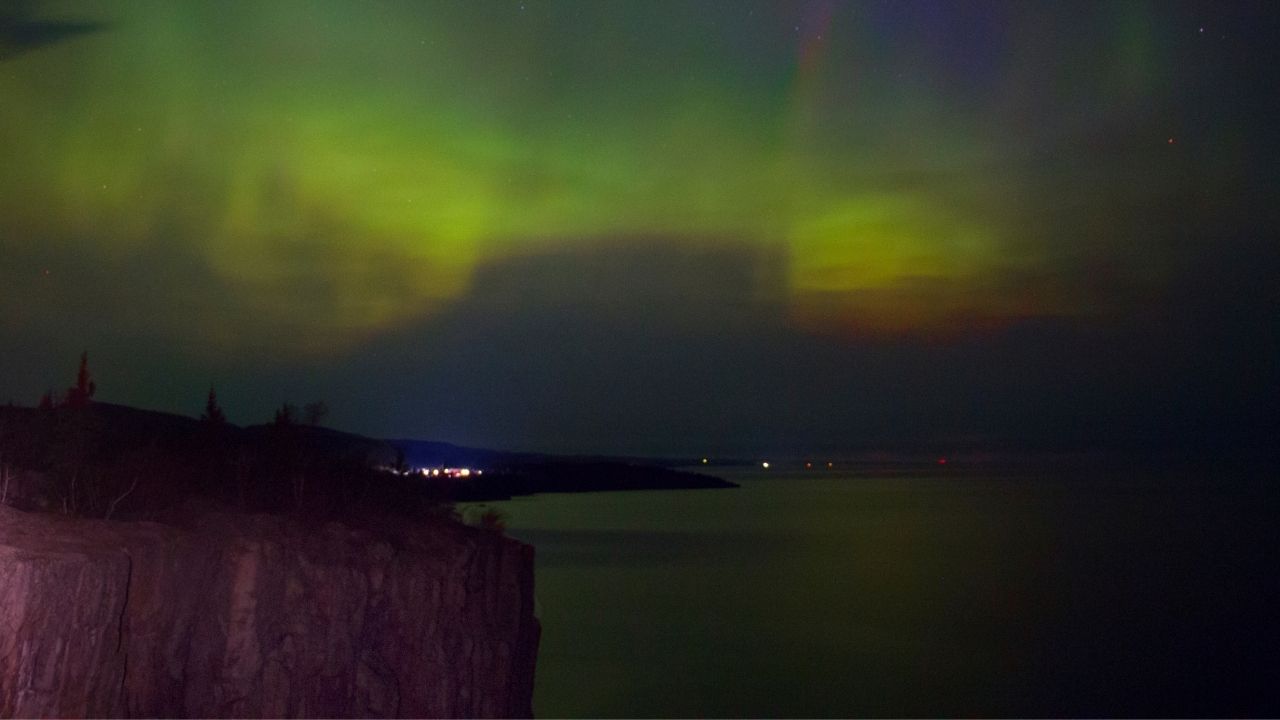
x=828 y=596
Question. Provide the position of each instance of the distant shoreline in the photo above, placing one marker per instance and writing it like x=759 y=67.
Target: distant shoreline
x=576 y=477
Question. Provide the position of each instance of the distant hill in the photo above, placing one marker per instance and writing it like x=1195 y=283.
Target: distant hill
x=430 y=453
x=575 y=475
x=508 y=474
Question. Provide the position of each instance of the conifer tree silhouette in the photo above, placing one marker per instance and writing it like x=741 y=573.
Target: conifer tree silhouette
x=212 y=411
x=82 y=393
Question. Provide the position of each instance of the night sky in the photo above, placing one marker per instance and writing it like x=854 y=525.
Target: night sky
x=653 y=227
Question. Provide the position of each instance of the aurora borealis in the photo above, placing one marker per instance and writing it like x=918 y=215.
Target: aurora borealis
x=647 y=226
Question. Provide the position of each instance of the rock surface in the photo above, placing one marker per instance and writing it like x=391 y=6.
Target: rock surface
x=227 y=615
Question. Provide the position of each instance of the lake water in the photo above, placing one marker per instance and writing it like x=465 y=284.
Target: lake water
x=821 y=595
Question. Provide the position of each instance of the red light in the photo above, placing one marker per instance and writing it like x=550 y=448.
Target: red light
x=942 y=461
x=1170 y=141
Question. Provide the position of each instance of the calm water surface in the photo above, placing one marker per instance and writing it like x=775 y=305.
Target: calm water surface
x=820 y=595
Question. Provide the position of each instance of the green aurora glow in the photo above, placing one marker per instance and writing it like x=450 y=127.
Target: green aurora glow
x=651 y=226
x=398 y=144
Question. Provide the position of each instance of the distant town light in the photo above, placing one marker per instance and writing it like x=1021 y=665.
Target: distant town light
x=704 y=461
x=765 y=465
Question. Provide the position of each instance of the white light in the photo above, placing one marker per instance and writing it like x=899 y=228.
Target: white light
x=765 y=465
x=465 y=472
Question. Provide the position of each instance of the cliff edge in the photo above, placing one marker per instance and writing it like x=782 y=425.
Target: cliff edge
x=220 y=614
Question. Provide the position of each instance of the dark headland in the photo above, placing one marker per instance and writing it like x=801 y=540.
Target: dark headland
x=108 y=460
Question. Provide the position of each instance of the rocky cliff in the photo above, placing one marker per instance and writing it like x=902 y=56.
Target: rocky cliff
x=223 y=615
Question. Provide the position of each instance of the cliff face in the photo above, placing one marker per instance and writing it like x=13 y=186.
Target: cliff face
x=229 y=615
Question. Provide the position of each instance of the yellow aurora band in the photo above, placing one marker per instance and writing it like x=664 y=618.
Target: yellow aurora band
x=342 y=167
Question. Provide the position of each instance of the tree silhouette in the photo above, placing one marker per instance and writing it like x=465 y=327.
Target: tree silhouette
x=82 y=393
x=287 y=414
x=315 y=412
x=212 y=411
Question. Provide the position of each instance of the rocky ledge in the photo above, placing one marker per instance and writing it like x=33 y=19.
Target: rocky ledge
x=218 y=614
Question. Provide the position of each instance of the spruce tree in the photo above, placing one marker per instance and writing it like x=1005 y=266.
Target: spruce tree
x=212 y=412
x=82 y=393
